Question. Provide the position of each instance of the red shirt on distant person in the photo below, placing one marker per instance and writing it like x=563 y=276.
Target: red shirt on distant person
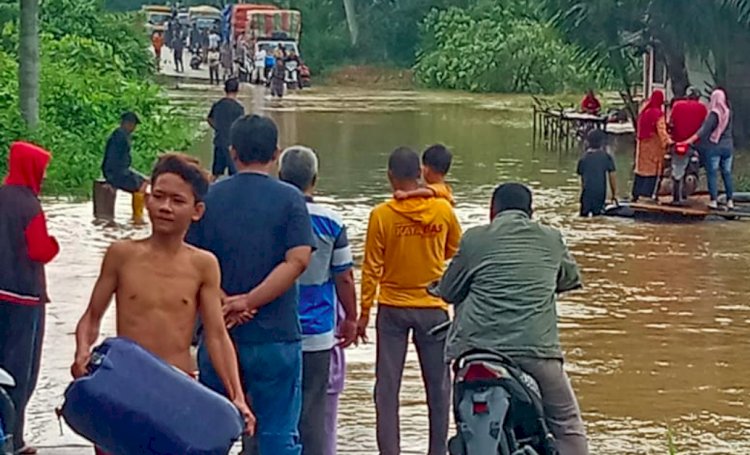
x=590 y=104
x=687 y=117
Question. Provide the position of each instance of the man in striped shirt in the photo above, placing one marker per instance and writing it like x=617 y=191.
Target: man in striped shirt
x=329 y=275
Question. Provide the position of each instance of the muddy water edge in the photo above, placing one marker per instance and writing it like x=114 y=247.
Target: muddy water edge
x=657 y=339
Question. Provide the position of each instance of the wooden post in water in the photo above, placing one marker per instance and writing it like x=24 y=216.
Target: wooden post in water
x=104 y=200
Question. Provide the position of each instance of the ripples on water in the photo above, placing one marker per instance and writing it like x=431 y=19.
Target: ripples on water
x=658 y=338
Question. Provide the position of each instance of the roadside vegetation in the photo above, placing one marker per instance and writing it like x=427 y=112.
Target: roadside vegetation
x=94 y=66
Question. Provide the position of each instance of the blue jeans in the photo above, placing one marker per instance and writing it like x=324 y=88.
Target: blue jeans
x=272 y=376
x=719 y=158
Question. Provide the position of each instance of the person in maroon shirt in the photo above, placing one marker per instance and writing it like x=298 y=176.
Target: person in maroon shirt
x=25 y=246
x=687 y=116
x=590 y=104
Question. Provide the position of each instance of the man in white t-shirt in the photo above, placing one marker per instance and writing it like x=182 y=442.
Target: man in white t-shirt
x=259 y=68
x=214 y=40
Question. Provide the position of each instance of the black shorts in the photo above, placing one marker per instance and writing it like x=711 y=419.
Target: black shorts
x=127 y=180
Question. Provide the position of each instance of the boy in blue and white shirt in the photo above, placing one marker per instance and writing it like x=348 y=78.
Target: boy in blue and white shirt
x=329 y=275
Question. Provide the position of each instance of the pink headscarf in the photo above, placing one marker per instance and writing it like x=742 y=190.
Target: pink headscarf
x=721 y=108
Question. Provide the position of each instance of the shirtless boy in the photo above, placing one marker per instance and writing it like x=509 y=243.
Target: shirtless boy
x=161 y=284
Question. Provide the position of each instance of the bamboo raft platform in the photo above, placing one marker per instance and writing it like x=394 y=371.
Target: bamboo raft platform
x=694 y=209
x=563 y=127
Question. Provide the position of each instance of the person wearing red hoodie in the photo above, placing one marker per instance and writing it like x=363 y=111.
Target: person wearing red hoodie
x=25 y=247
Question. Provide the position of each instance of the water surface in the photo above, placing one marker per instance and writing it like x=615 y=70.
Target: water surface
x=658 y=338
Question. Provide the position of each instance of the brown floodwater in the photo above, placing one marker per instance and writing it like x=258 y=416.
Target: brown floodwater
x=657 y=341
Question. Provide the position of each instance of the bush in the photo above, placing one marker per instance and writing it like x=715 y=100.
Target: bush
x=498 y=50
x=86 y=83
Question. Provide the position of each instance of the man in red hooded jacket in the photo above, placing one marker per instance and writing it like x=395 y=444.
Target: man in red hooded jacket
x=25 y=246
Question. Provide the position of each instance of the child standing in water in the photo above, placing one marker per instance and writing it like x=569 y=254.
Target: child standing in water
x=436 y=162
x=161 y=284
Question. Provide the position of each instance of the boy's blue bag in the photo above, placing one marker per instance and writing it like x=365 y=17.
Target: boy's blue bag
x=132 y=402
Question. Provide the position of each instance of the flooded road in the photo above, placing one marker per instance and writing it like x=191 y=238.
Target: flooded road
x=658 y=339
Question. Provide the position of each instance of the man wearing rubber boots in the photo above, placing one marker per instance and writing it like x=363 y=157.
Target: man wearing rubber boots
x=504 y=282
x=117 y=161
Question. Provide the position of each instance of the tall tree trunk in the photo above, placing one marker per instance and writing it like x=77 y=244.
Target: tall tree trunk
x=28 y=68
x=351 y=20
x=677 y=70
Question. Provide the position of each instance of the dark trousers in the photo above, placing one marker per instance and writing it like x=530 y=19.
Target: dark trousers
x=393 y=328
x=592 y=204
x=21 y=336
x=644 y=186
x=222 y=162
x=178 y=65
x=560 y=404
x=213 y=74
x=312 y=424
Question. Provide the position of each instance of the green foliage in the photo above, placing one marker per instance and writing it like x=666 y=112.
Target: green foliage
x=87 y=81
x=122 y=34
x=499 y=49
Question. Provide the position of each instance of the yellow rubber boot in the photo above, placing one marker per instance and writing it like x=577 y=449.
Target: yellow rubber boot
x=139 y=202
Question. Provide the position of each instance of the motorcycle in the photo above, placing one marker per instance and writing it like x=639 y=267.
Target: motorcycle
x=683 y=188
x=304 y=76
x=7 y=414
x=292 y=74
x=195 y=60
x=497 y=407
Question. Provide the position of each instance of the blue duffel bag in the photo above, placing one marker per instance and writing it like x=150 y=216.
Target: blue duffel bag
x=134 y=403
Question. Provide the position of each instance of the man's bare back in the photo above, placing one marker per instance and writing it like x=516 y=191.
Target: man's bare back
x=157 y=297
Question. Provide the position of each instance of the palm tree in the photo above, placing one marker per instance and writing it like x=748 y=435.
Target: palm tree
x=28 y=68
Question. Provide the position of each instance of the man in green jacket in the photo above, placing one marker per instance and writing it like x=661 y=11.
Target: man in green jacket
x=504 y=282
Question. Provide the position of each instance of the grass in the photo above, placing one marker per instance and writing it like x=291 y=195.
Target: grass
x=742 y=183
x=670 y=442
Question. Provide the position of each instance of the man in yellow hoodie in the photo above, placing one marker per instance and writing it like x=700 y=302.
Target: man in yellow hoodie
x=407 y=244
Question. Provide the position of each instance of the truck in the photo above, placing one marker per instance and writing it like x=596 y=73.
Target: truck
x=156 y=17
x=205 y=17
x=257 y=22
x=266 y=28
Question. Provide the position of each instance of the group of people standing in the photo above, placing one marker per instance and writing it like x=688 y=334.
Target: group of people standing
x=688 y=128
x=689 y=124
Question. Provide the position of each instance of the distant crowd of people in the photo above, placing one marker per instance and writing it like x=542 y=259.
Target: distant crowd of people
x=271 y=63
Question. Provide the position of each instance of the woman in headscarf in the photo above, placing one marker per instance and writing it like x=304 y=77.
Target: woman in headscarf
x=715 y=136
x=653 y=141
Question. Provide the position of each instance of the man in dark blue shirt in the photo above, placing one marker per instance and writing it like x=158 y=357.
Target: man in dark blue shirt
x=260 y=230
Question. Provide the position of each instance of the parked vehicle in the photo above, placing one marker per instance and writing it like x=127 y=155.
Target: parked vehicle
x=205 y=17
x=7 y=414
x=156 y=17
x=304 y=76
x=268 y=30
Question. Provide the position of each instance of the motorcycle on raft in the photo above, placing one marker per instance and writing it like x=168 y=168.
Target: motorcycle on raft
x=497 y=407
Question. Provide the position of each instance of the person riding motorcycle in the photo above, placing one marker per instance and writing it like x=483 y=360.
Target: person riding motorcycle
x=503 y=283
